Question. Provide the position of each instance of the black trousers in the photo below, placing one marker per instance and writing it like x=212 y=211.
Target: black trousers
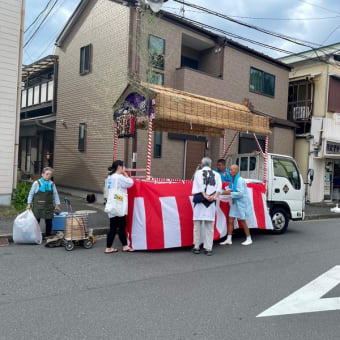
x=48 y=223
x=117 y=225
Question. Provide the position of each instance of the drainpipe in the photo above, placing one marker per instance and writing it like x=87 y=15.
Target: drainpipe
x=325 y=111
x=17 y=120
x=325 y=106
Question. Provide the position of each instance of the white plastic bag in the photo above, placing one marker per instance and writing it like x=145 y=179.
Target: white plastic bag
x=26 y=229
x=117 y=202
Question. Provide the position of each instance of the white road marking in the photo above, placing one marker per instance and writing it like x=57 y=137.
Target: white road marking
x=309 y=299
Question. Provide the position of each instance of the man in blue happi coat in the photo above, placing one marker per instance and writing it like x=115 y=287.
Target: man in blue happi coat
x=240 y=207
x=223 y=171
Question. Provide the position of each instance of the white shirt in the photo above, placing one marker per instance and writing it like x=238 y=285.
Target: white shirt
x=123 y=183
x=201 y=212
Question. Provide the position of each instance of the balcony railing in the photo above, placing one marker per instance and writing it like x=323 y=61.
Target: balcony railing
x=37 y=95
x=300 y=111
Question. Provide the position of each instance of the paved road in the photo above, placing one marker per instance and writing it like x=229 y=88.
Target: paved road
x=97 y=217
x=85 y=294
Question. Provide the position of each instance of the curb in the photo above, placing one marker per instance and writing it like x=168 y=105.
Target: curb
x=96 y=232
x=321 y=217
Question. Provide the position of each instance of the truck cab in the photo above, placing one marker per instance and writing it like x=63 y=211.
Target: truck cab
x=285 y=186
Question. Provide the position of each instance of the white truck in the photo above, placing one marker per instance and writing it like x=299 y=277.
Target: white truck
x=285 y=186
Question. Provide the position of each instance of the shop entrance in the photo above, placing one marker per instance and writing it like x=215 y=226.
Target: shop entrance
x=332 y=180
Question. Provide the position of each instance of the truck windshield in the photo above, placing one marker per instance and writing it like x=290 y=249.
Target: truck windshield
x=287 y=168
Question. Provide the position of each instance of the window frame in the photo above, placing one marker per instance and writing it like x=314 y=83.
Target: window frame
x=155 y=150
x=149 y=54
x=82 y=141
x=242 y=158
x=293 y=184
x=154 y=72
x=82 y=70
x=262 y=78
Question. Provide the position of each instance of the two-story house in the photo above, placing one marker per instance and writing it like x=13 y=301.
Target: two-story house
x=37 y=115
x=12 y=13
x=314 y=104
x=106 y=43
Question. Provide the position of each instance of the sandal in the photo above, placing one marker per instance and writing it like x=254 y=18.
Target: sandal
x=114 y=250
x=128 y=250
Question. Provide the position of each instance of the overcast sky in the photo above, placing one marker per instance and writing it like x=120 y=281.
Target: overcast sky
x=304 y=26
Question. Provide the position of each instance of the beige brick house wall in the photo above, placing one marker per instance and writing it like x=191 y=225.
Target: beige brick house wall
x=89 y=98
x=236 y=76
x=233 y=86
x=283 y=141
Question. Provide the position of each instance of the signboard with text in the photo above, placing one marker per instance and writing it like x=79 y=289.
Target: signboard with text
x=332 y=148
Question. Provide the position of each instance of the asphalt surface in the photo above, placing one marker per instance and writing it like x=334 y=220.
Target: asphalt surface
x=169 y=294
x=97 y=218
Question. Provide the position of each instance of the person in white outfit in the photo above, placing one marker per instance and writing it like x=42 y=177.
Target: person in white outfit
x=117 y=223
x=206 y=188
x=240 y=207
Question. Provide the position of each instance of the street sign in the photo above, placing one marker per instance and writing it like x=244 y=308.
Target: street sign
x=309 y=299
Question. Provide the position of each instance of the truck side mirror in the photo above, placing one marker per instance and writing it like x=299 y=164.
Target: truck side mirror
x=310 y=176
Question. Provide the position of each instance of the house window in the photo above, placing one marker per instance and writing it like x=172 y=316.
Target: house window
x=155 y=78
x=156 y=52
x=82 y=137
x=333 y=94
x=158 y=144
x=85 y=59
x=262 y=82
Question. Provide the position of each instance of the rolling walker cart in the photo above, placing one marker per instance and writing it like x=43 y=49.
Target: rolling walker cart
x=76 y=232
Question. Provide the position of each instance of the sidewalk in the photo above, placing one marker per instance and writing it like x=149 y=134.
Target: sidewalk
x=319 y=211
x=99 y=221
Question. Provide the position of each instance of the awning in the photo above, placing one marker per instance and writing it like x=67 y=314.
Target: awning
x=183 y=112
x=38 y=66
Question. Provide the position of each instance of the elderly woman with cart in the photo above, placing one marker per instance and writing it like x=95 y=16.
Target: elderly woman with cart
x=45 y=199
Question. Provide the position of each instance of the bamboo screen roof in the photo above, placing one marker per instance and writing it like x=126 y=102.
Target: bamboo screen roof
x=182 y=112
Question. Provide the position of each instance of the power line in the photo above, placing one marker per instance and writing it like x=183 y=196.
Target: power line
x=41 y=23
x=48 y=44
x=317 y=6
x=262 y=30
x=38 y=16
x=264 y=18
x=329 y=35
x=257 y=28
x=255 y=42
x=236 y=36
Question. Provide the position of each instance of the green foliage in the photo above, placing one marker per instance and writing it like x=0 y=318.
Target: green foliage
x=21 y=194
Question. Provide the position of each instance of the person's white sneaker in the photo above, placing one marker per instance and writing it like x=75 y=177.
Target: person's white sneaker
x=247 y=242
x=226 y=243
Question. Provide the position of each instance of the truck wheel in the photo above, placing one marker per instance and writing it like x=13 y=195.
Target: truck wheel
x=280 y=220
